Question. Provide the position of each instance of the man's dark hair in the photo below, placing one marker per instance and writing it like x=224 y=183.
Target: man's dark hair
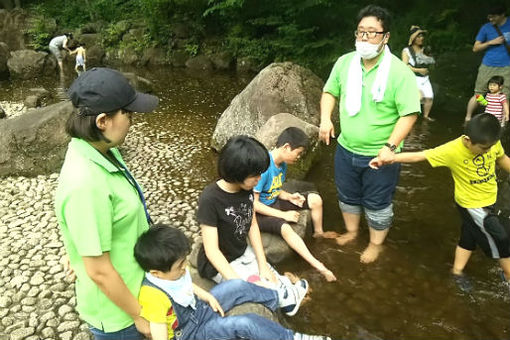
x=69 y=35
x=380 y=13
x=483 y=129
x=82 y=124
x=294 y=136
x=242 y=157
x=160 y=247
x=496 y=80
x=496 y=8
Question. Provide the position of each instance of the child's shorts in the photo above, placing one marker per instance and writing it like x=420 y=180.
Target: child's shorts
x=80 y=61
x=481 y=227
x=273 y=225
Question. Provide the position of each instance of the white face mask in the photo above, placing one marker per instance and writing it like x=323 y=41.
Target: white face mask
x=367 y=50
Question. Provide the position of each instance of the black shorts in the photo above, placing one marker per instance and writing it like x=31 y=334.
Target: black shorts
x=488 y=233
x=273 y=225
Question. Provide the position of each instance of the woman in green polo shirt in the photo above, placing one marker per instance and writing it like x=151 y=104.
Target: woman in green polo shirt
x=100 y=207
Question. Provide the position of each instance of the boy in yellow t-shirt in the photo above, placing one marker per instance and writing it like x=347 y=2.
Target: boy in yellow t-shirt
x=472 y=160
x=176 y=308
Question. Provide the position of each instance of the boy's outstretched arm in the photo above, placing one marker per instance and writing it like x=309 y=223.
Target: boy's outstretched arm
x=504 y=163
x=402 y=157
x=214 y=254
x=506 y=111
x=261 y=208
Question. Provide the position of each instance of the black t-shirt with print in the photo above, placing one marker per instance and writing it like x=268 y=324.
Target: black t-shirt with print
x=232 y=214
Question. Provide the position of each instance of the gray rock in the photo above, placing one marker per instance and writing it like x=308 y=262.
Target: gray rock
x=22 y=333
x=269 y=132
x=68 y=326
x=32 y=102
x=222 y=60
x=64 y=309
x=199 y=63
x=5 y=301
x=48 y=332
x=280 y=87
x=34 y=142
x=66 y=335
x=29 y=64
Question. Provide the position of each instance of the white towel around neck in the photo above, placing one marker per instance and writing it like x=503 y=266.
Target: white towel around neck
x=355 y=85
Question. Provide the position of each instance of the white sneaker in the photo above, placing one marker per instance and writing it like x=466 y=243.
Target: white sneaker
x=301 y=336
x=293 y=296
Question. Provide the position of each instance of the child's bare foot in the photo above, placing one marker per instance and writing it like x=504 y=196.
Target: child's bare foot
x=326 y=234
x=346 y=238
x=292 y=277
x=371 y=253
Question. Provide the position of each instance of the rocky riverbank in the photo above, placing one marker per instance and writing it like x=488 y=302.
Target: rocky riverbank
x=36 y=299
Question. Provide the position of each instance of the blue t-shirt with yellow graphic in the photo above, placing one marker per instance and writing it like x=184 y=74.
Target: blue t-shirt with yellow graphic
x=271 y=182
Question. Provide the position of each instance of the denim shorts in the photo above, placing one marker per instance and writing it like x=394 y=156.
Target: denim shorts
x=359 y=185
x=129 y=333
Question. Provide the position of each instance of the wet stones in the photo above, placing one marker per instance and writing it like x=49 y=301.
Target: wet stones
x=36 y=299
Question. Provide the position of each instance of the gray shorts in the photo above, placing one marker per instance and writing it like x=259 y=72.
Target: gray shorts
x=486 y=72
x=56 y=52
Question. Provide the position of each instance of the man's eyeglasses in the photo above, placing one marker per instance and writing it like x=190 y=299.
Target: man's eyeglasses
x=369 y=35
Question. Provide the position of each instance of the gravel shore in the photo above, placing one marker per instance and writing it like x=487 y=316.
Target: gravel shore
x=36 y=299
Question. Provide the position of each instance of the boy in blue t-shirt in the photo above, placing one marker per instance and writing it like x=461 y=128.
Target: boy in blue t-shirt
x=275 y=207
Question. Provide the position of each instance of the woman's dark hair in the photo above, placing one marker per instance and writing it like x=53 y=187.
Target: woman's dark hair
x=380 y=13
x=69 y=35
x=242 y=157
x=483 y=129
x=296 y=138
x=499 y=80
x=160 y=247
x=82 y=124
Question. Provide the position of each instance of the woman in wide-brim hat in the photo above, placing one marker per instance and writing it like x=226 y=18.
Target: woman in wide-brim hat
x=100 y=207
x=414 y=56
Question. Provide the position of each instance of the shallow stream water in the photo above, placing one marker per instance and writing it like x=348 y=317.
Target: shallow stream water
x=408 y=293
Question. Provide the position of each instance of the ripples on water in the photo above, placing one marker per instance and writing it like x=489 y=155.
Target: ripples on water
x=407 y=294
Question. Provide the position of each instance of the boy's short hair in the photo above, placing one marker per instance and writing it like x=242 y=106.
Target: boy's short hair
x=242 y=157
x=496 y=8
x=483 y=129
x=294 y=136
x=160 y=247
x=496 y=80
x=380 y=13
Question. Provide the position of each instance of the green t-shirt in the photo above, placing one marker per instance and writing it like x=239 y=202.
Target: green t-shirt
x=368 y=131
x=99 y=211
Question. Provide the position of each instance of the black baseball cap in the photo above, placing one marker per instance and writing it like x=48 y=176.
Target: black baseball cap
x=105 y=90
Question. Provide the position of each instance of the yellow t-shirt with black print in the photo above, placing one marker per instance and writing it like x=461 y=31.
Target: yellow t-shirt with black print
x=474 y=175
x=157 y=308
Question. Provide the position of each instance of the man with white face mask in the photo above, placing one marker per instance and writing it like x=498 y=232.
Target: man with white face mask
x=378 y=104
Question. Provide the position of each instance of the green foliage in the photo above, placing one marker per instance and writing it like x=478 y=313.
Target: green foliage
x=310 y=32
x=40 y=33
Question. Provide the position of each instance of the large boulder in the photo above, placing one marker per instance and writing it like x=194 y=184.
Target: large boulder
x=269 y=132
x=35 y=142
x=95 y=56
x=280 y=87
x=13 y=25
x=28 y=64
x=154 y=56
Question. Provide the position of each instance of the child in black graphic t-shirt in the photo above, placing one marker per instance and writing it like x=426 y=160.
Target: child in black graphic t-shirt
x=226 y=217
